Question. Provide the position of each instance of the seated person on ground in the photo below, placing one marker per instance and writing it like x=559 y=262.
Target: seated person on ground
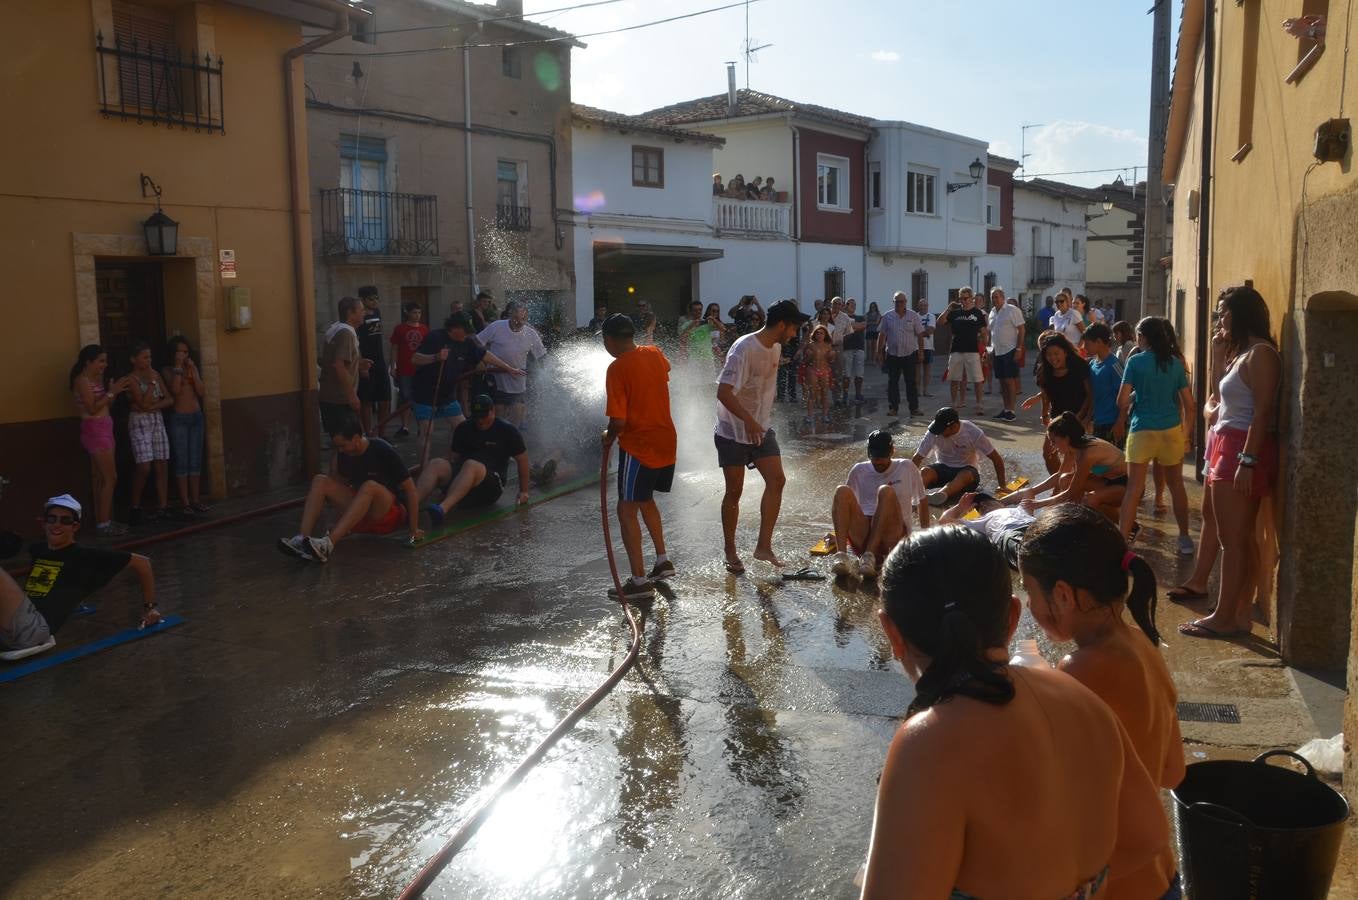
x=1092 y=471
x=872 y=510
x=1004 y=525
x=64 y=574
x=959 y=446
x=478 y=467
x=368 y=482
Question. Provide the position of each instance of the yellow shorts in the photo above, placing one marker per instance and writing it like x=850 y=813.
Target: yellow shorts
x=1165 y=447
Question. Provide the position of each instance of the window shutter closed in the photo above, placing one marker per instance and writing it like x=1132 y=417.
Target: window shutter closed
x=146 y=38
x=146 y=26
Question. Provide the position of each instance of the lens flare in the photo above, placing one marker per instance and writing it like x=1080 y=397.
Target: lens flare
x=547 y=70
x=591 y=202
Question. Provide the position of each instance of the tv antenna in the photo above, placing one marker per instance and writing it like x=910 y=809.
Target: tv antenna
x=1023 y=142
x=750 y=49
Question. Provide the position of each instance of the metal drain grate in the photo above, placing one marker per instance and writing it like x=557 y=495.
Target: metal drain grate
x=1223 y=713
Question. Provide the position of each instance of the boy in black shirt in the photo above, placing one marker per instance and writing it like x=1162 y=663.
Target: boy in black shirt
x=969 y=332
x=367 y=483
x=64 y=574
x=437 y=395
x=478 y=467
x=374 y=386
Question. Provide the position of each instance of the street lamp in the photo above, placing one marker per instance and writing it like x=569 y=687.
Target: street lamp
x=162 y=232
x=975 y=169
x=1107 y=208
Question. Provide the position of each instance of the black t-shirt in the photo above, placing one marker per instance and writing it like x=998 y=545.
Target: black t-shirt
x=493 y=448
x=61 y=579
x=1066 y=393
x=380 y=463
x=370 y=337
x=856 y=340
x=463 y=356
x=966 y=329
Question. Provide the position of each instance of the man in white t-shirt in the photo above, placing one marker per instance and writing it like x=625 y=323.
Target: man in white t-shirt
x=744 y=438
x=841 y=326
x=512 y=339
x=958 y=446
x=1007 y=327
x=1003 y=524
x=871 y=512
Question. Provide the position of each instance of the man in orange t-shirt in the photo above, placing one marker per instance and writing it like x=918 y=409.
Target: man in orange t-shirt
x=639 y=417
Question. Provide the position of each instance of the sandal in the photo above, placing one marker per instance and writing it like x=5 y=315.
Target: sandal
x=1184 y=594
x=806 y=573
x=735 y=568
x=1197 y=629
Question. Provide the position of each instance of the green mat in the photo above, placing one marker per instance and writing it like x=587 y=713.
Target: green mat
x=499 y=512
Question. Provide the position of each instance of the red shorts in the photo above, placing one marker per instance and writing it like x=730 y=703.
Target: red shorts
x=1225 y=444
x=385 y=525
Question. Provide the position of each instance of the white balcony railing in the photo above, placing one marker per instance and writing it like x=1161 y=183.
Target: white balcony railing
x=761 y=217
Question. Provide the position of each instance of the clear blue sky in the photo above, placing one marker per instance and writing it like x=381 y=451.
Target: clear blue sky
x=1080 y=68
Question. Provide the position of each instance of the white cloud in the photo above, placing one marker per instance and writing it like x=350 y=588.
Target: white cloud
x=885 y=56
x=1066 y=146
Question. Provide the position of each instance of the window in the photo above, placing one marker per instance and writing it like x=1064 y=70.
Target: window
x=511 y=196
x=511 y=62
x=363 y=185
x=362 y=26
x=832 y=182
x=834 y=282
x=919 y=285
x=919 y=196
x=992 y=207
x=875 y=185
x=648 y=167
x=991 y=279
x=147 y=37
x=1074 y=249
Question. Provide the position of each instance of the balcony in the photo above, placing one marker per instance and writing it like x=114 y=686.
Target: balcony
x=1044 y=271
x=513 y=218
x=140 y=81
x=758 y=218
x=401 y=227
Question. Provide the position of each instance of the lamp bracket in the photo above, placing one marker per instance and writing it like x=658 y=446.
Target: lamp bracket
x=155 y=188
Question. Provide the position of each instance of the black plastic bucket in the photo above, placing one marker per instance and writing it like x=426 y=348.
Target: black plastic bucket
x=1251 y=830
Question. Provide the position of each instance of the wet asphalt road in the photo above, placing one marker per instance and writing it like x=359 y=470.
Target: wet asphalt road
x=316 y=731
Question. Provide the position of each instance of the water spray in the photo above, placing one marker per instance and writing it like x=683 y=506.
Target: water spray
x=464 y=833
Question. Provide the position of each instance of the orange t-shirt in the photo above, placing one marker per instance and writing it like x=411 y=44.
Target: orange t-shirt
x=638 y=385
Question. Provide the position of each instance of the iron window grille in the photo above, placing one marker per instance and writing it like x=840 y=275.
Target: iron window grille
x=378 y=223
x=1044 y=270
x=148 y=83
x=513 y=218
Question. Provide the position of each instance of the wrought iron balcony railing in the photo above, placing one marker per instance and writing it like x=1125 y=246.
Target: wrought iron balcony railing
x=141 y=81
x=378 y=223
x=513 y=218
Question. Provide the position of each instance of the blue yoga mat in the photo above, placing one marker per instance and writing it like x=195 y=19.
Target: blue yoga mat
x=47 y=660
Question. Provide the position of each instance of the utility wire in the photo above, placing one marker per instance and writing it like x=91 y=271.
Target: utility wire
x=555 y=40
x=1083 y=171
x=479 y=22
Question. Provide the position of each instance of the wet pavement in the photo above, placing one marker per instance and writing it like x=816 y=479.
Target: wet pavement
x=317 y=731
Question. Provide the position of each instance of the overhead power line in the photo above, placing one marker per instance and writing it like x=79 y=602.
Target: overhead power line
x=478 y=22
x=1084 y=171
x=529 y=41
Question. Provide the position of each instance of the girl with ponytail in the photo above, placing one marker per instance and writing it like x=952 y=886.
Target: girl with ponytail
x=1003 y=781
x=1092 y=471
x=1077 y=571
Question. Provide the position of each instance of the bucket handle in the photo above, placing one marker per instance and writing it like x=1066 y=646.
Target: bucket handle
x=1263 y=757
x=1221 y=813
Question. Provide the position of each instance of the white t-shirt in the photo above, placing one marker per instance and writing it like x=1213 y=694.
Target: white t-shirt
x=995 y=523
x=1064 y=322
x=840 y=326
x=902 y=475
x=752 y=370
x=962 y=449
x=927 y=321
x=1004 y=325
x=513 y=347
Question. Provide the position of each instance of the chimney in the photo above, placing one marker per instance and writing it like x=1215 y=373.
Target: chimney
x=510 y=7
x=730 y=88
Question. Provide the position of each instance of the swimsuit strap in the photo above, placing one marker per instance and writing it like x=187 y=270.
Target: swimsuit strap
x=1085 y=891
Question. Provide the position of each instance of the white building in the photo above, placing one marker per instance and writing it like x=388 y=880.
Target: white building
x=1050 y=236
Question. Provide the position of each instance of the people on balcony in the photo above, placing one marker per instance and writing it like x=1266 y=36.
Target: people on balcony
x=753 y=189
x=769 y=192
x=718 y=189
x=761 y=188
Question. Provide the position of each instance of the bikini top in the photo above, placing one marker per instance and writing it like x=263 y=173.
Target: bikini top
x=1099 y=470
x=153 y=386
x=97 y=389
x=1089 y=889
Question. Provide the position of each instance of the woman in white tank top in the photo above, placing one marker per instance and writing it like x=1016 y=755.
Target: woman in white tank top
x=1242 y=458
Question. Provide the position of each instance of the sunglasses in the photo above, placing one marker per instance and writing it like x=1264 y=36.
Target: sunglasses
x=61 y=520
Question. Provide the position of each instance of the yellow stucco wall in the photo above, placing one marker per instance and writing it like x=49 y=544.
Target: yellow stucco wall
x=73 y=171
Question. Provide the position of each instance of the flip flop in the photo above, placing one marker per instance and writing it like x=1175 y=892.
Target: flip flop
x=1182 y=594
x=1136 y=530
x=735 y=568
x=806 y=573
x=1198 y=630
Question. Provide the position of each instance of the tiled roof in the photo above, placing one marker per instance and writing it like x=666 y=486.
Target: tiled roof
x=1002 y=160
x=1061 y=189
x=582 y=113
x=750 y=103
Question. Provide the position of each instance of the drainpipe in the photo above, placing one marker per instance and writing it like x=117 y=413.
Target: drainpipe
x=796 y=209
x=867 y=236
x=467 y=164
x=303 y=275
x=1204 y=229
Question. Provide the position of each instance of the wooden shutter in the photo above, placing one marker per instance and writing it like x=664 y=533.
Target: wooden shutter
x=147 y=36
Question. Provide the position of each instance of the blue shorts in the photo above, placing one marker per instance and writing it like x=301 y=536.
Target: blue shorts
x=638 y=483
x=424 y=412
x=1006 y=364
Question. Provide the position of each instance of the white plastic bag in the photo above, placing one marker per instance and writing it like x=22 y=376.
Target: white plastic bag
x=1326 y=754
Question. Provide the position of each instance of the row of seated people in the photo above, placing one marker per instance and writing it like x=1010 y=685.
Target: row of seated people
x=736 y=189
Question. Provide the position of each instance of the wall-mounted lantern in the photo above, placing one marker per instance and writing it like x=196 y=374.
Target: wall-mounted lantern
x=162 y=232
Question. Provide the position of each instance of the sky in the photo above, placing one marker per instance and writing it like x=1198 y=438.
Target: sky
x=1077 y=69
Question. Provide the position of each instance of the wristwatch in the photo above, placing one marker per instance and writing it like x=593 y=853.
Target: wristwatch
x=1246 y=459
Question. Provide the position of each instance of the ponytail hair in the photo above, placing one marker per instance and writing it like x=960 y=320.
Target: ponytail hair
x=1068 y=426
x=1160 y=339
x=1076 y=544
x=88 y=354
x=947 y=590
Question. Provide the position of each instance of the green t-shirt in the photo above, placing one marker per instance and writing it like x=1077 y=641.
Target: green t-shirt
x=1155 y=406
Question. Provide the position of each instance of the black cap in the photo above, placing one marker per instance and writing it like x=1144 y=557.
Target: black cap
x=785 y=311
x=879 y=444
x=943 y=419
x=618 y=326
x=481 y=405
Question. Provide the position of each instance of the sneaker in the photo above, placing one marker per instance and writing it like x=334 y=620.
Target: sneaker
x=938 y=497
x=1185 y=545
x=662 y=571
x=201 y=508
x=296 y=545
x=110 y=529
x=403 y=432
x=436 y=515
x=321 y=547
x=916 y=413
x=1010 y=415
x=844 y=565
x=1002 y=414
x=633 y=591
x=893 y=413
x=867 y=565
x=547 y=474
